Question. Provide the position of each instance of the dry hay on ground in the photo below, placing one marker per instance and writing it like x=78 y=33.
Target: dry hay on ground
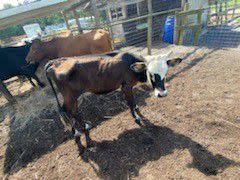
x=191 y=134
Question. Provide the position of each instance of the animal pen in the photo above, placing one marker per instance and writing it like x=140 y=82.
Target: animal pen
x=137 y=23
x=191 y=134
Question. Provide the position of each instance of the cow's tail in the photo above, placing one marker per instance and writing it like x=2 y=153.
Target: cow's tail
x=49 y=73
x=109 y=40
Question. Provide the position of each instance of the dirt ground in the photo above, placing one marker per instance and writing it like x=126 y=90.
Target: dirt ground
x=191 y=134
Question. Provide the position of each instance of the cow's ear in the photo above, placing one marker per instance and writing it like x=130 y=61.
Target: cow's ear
x=174 y=62
x=28 y=43
x=138 y=67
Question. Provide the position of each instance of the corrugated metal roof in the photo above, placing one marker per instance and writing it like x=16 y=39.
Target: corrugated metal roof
x=21 y=14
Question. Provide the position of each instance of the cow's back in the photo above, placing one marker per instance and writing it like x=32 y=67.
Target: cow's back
x=11 y=61
x=96 y=74
x=94 y=42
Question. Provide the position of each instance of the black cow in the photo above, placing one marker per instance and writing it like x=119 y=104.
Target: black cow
x=13 y=63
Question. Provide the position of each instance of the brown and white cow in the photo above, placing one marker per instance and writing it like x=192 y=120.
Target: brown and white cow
x=101 y=74
x=95 y=42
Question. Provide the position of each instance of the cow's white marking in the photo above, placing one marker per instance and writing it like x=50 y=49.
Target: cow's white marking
x=157 y=65
x=77 y=133
x=158 y=93
x=87 y=126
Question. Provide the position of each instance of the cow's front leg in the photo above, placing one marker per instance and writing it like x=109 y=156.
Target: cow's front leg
x=89 y=141
x=77 y=137
x=132 y=105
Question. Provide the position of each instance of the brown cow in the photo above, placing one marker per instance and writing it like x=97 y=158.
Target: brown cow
x=101 y=74
x=95 y=42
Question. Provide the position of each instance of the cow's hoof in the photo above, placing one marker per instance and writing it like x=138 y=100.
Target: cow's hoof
x=81 y=149
x=88 y=126
x=138 y=120
x=42 y=85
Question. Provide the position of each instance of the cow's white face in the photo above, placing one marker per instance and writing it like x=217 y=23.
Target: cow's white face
x=156 y=69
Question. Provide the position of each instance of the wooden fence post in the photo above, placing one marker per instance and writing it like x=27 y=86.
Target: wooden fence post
x=221 y=11
x=183 y=4
x=77 y=21
x=150 y=19
x=184 y=21
x=226 y=11
x=199 y=28
x=217 y=13
x=234 y=8
x=176 y=26
x=95 y=12
x=66 y=20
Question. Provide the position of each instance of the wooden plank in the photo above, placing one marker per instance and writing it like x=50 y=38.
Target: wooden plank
x=190 y=12
x=184 y=27
x=199 y=29
x=150 y=19
x=6 y=93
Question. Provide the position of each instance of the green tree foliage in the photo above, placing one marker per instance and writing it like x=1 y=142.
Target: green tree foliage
x=54 y=18
x=17 y=30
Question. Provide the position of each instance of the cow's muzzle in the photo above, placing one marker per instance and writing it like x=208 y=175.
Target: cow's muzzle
x=160 y=93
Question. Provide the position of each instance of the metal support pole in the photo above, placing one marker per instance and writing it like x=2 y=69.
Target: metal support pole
x=150 y=19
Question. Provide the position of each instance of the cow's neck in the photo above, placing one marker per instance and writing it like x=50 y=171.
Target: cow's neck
x=131 y=59
x=53 y=50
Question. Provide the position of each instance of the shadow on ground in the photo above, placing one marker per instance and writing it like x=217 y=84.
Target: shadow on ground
x=35 y=137
x=219 y=36
x=192 y=63
x=124 y=157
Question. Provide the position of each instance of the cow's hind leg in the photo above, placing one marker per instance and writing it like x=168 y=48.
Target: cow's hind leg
x=70 y=106
x=41 y=84
x=88 y=127
x=30 y=80
x=131 y=103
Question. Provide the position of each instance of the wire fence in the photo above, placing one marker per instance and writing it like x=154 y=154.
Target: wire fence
x=220 y=25
x=128 y=21
x=131 y=21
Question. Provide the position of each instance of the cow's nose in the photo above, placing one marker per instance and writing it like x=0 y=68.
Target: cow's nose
x=159 y=93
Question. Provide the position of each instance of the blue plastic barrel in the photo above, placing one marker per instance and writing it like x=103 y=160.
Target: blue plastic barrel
x=168 y=30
